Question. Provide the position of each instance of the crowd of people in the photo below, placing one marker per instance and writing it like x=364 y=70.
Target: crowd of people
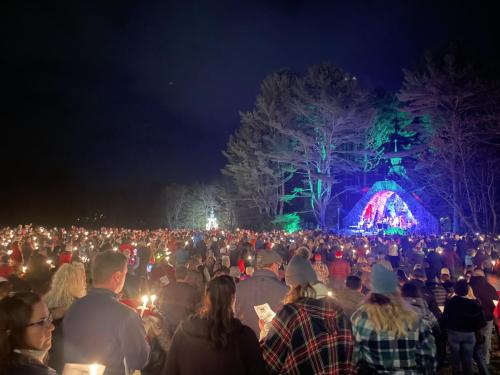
x=182 y=302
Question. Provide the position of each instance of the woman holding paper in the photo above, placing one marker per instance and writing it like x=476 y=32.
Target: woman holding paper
x=213 y=341
x=25 y=335
x=310 y=334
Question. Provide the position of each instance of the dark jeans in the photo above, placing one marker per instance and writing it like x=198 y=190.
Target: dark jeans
x=462 y=349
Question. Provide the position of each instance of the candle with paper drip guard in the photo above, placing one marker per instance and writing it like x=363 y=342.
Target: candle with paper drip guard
x=145 y=298
x=144 y=304
x=83 y=369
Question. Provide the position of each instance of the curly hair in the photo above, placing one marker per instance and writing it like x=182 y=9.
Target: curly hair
x=68 y=284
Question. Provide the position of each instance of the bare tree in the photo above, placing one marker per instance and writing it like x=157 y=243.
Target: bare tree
x=175 y=201
x=456 y=115
x=326 y=128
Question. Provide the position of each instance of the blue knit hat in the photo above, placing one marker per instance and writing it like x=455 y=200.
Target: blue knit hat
x=383 y=280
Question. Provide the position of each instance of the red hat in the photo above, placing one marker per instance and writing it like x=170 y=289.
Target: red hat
x=317 y=256
x=65 y=257
x=338 y=254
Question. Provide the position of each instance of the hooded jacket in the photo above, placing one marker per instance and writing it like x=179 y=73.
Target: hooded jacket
x=463 y=315
x=191 y=352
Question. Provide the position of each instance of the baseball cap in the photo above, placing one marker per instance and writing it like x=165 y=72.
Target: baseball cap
x=445 y=271
x=265 y=257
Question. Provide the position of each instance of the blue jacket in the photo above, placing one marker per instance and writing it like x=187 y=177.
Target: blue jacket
x=99 y=329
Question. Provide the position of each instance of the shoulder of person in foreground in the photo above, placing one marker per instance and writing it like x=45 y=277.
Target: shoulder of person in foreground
x=250 y=350
x=133 y=340
x=25 y=366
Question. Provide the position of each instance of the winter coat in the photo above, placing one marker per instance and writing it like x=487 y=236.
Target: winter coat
x=339 y=269
x=428 y=296
x=463 y=315
x=98 y=328
x=310 y=336
x=349 y=300
x=435 y=265
x=485 y=293
x=178 y=300
x=422 y=309
x=440 y=293
x=191 y=352
x=263 y=287
x=24 y=365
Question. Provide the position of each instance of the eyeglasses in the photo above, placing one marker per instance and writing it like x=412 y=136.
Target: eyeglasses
x=45 y=322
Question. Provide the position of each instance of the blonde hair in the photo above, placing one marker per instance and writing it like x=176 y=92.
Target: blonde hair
x=470 y=293
x=67 y=279
x=390 y=314
x=298 y=292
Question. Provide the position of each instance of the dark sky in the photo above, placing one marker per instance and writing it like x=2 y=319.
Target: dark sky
x=104 y=102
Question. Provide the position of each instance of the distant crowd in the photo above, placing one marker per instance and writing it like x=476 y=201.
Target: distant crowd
x=243 y=302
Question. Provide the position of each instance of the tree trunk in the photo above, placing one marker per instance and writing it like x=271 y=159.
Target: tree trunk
x=456 y=226
x=282 y=203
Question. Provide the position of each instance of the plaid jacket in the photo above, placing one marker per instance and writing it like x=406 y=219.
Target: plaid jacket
x=311 y=336
x=412 y=354
x=322 y=271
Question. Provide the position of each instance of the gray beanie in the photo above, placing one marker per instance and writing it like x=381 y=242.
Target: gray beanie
x=299 y=271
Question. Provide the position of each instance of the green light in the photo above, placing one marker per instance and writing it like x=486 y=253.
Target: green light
x=288 y=222
x=394 y=230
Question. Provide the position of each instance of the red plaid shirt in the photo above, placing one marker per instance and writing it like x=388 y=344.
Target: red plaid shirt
x=309 y=337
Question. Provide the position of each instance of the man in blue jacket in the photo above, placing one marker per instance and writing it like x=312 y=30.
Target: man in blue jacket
x=99 y=329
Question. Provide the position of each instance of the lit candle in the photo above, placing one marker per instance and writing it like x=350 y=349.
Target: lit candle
x=144 y=304
x=25 y=269
x=153 y=299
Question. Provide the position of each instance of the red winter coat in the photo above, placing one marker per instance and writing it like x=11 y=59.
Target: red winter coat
x=340 y=269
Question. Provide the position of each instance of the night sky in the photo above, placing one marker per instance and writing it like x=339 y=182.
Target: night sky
x=105 y=102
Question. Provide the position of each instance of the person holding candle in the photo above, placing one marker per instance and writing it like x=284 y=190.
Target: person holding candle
x=99 y=329
x=25 y=335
